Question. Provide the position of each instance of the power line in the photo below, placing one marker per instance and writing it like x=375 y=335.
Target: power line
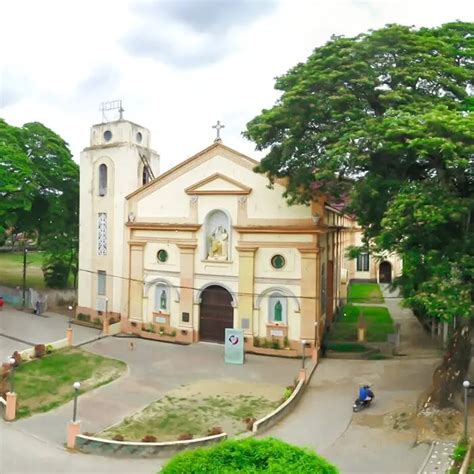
x=237 y=293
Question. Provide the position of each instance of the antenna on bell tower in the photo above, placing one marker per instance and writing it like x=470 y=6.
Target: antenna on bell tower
x=111 y=105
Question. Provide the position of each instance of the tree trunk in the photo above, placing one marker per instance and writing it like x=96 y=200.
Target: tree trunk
x=449 y=375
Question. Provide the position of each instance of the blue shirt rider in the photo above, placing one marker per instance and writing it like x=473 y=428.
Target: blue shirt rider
x=365 y=393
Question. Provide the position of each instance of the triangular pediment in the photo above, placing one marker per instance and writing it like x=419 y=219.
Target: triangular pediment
x=218 y=184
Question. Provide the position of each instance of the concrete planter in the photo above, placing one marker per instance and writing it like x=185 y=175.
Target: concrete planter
x=163 y=338
x=102 y=446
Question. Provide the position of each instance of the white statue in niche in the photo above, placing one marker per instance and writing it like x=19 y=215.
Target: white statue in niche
x=218 y=242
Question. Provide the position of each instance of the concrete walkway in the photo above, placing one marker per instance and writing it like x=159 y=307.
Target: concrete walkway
x=414 y=341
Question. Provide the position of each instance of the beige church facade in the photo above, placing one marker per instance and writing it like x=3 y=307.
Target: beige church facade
x=180 y=256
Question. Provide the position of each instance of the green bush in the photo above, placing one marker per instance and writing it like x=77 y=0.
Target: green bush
x=459 y=452
x=248 y=456
x=346 y=347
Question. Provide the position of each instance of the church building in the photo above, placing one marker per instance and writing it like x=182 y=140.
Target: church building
x=204 y=246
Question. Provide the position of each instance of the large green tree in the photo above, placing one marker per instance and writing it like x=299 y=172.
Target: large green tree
x=45 y=201
x=386 y=119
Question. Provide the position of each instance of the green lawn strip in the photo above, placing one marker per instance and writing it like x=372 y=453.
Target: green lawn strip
x=169 y=417
x=377 y=318
x=11 y=269
x=44 y=384
x=364 y=293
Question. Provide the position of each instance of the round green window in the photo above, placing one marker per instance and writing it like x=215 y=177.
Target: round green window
x=278 y=261
x=162 y=256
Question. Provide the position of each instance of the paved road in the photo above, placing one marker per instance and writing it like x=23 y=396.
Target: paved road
x=20 y=330
x=362 y=442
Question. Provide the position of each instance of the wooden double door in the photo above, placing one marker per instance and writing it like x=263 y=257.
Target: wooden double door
x=216 y=314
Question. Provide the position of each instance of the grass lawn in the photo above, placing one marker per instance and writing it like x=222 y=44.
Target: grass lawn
x=378 y=320
x=11 y=269
x=171 y=416
x=44 y=384
x=364 y=293
x=347 y=347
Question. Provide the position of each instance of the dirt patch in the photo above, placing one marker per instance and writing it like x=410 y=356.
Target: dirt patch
x=199 y=407
x=444 y=424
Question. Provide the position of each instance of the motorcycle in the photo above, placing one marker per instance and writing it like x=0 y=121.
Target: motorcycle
x=361 y=404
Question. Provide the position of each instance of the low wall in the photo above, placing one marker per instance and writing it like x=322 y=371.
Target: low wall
x=115 y=328
x=30 y=353
x=102 y=446
x=277 y=414
x=466 y=463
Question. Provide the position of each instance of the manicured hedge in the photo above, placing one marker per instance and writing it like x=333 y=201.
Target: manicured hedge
x=249 y=456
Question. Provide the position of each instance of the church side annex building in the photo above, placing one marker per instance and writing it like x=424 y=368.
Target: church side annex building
x=205 y=246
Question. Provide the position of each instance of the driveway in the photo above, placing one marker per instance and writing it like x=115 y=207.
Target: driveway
x=365 y=442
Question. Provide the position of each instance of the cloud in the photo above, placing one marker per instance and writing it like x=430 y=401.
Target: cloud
x=12 y=88
x=189 y=33
x=102 y=80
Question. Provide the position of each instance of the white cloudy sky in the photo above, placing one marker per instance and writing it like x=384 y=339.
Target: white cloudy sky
x=178 y=65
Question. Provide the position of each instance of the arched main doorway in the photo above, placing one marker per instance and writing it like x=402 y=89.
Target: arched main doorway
x=385 y=272
x=216 y=313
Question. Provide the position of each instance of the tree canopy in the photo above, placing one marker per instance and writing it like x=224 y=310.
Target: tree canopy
x=39 y=187
x=385 y=118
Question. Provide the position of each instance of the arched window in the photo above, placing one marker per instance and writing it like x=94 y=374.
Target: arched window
x=162 y=298
x=277 y=308
x=102 y=180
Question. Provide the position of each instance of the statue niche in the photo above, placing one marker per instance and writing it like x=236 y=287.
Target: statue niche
x=218 y=242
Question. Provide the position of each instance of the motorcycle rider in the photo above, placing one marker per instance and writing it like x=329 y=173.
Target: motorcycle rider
x=365 y=394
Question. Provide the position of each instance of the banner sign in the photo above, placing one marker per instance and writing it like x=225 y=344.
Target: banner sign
x=234 y=346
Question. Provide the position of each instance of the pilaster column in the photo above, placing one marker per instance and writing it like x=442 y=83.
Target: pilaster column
x=186 y=263
x=135 y=282
x=246 y=285
x=310 y=291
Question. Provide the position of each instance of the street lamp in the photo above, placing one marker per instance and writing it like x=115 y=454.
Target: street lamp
x=12 y=374
x=303 y=345
x=77 y=386
x=25 y=252
x=467 y=385
x=70 y=316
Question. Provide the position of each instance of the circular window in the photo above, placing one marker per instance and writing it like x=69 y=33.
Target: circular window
x=107 y=135
x=139 y=137
x=162 y=256
x=278 y=261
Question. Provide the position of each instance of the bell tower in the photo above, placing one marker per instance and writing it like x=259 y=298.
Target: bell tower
x=118 y=161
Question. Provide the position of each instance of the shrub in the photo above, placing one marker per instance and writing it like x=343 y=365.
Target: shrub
x=49 y=349
x=184 y=436
x=249 y=423
x=215 y=430
x=267 y=455
x=17 y=356
x=459 y=452
x=286 y=342
x=162 y=330
x=287 y=393
x=149 y=439
x=83 y=317
x=40 y=350
x=256 y=341
x=173 y=333
x=118 y=437
x=97 y=321
x=275 y=344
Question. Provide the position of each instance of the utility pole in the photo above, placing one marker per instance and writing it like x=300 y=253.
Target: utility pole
x=25 y=253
